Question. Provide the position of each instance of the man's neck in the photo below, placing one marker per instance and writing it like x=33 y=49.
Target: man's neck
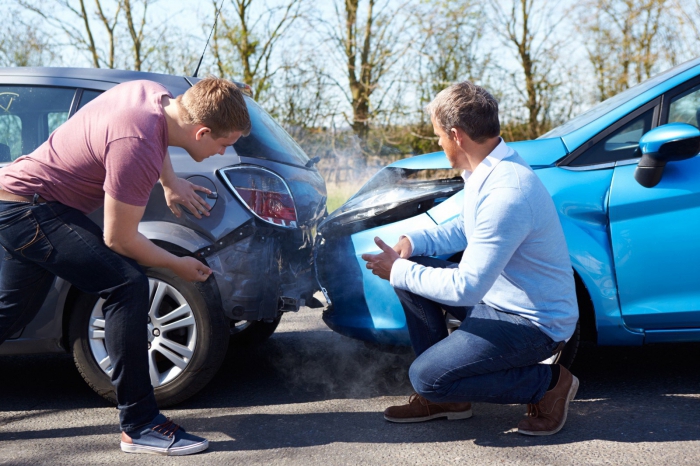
x=476 y=153
x=176 y=127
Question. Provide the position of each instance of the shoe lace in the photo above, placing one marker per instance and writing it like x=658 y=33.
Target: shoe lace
x=533 y=409
x=416 y=397
x=423 y=401
x=167 y=428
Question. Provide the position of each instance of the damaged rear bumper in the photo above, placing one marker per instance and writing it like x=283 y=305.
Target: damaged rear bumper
x=261 y=271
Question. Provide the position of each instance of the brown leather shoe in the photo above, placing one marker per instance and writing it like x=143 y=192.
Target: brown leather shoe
x=549 y=415
x=419 y=409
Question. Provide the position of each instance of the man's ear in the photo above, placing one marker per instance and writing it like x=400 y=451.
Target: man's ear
x=457 y=136
x=201 y=132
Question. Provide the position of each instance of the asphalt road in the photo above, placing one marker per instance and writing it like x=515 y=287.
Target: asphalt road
x=311 y=397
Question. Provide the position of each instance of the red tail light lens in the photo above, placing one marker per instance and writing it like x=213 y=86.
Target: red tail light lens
x=264 y=193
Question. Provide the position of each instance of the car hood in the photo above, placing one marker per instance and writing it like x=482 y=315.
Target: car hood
x=538 y=153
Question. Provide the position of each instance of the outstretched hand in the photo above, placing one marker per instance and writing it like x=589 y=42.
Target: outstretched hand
x=381 y=264
x=181 y=192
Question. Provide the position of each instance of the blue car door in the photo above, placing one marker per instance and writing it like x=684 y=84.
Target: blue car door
x=655 y=236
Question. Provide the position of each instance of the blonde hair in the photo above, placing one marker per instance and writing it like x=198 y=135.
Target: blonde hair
x=217 y=104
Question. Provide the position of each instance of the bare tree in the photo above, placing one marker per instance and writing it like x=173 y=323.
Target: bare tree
x=448 y=49
x=529 y=26
x=449 y=44
x=367 y=49
x=244 y=45
x=73 y=19
x=624 y=41
x=23 y=45
x=136 y=27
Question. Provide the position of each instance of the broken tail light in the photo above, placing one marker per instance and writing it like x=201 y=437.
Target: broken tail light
x=265 y=193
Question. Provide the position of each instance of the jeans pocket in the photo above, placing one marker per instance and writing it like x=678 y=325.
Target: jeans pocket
x=20 y=234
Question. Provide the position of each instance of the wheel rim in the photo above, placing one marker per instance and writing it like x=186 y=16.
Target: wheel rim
x=172 y=334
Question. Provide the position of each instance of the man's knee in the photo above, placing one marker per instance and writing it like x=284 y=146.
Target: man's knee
x=425 y=381
x=138 y=282
x=435 y=383
x=134 y=287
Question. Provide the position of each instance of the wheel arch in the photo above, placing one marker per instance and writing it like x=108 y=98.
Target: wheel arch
x=208 y=289
x=587 y=320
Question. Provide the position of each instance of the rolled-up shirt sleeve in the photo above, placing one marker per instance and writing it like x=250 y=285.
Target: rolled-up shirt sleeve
x=503 y=221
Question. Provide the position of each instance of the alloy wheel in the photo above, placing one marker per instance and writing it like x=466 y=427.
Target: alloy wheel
x=172 y=334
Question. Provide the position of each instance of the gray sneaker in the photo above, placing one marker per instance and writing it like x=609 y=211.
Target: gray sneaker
x=162 y=437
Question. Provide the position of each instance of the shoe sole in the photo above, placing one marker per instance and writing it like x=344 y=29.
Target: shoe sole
x=572 y=395
x=178 y=451
x=450 y=417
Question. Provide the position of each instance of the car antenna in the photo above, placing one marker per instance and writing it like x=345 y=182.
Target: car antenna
x=216 y=17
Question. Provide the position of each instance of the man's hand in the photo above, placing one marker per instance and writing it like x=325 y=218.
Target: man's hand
x=381 y=264
x=184 y=193
x=190 y=269
x=404 y=248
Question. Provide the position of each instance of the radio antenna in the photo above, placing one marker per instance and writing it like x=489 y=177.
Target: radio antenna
x=216 y=17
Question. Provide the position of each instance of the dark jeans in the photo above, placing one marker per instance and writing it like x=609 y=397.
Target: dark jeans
x=47 y=240
x=492 y=357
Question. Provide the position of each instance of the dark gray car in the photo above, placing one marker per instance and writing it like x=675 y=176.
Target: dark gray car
x=267 y=199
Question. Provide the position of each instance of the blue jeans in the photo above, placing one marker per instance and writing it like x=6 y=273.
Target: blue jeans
x=46 y=240
x=492 y=357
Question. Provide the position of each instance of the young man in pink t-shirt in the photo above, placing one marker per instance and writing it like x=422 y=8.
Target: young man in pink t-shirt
x=111 y=153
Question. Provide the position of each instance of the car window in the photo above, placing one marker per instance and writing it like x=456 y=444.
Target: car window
x=88 y=96
x=267 y=139
x=56 y=119
x=28 y=115
x=619 y=145
x=10 y=137
x=685 y=108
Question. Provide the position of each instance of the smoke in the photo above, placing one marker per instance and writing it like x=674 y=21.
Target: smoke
x=335 y=366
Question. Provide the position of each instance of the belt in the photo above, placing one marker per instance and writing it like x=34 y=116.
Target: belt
x=9 y=197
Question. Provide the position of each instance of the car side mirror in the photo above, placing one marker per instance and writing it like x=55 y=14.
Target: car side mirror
x=667 y=143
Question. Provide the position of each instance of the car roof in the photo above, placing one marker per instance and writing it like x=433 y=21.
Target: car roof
x=109 y=75
x=96 y=74
x=624 y=103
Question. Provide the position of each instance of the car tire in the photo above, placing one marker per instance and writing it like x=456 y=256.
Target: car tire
x=205 y=334
x=567 y=355
x=247 y=333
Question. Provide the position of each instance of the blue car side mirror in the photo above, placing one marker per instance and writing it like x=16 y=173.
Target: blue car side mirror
x=667 y=143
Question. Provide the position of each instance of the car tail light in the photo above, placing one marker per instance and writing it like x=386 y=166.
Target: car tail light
x=264 y=193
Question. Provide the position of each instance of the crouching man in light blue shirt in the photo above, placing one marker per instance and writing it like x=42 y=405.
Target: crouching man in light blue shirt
x=513 y=289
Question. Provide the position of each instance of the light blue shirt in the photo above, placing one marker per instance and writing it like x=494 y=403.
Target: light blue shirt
x=515 y=256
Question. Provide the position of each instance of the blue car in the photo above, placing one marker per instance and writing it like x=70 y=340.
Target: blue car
x=625 y=179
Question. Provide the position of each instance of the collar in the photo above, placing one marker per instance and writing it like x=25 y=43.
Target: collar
x=474 y=180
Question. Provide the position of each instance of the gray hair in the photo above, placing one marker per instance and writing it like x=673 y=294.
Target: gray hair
x=468 y=107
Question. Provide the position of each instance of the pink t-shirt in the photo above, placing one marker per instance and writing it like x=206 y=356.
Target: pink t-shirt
x=115 y=144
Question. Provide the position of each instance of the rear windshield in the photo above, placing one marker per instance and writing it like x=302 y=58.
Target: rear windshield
x=267 y=139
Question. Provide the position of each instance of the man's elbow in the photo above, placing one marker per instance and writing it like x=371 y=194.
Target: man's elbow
x=115 y=243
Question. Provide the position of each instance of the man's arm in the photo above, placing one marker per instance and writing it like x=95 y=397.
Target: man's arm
x=121 y=234
x=446 y=238
x=503 y=221
x=179 y=191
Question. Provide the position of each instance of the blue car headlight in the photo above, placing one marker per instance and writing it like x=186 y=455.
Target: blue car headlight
x=393 y=193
